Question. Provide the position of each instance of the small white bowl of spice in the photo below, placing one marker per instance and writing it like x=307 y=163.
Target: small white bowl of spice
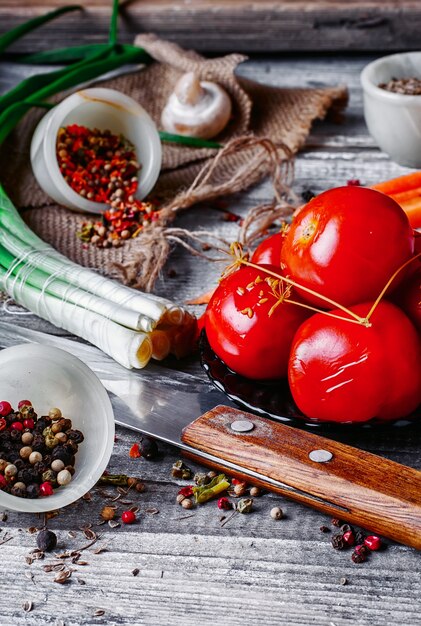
x=96 y=139
x=56 y=428
x=392 y=105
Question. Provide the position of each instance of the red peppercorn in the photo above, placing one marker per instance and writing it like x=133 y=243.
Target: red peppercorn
x=187 y=492
x=235 y=481
x=46 y=489
x=373 y=542
x=224 y=504
x=3 y=481
x=29 y=423
x=128 y=517
x=16 y=426
x=349 y=538
x=3 y=423
x=5 y=408
x=23 y=403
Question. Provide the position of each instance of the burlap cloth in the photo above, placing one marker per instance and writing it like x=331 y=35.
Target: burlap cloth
x=268 y=126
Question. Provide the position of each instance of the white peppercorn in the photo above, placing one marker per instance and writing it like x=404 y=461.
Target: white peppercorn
x=57 y=465
x=35 y=457
x=276 y=513
x=25 y=452
x=27 y=438
x=64 y=477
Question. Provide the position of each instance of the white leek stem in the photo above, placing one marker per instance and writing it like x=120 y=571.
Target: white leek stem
x=129 y=348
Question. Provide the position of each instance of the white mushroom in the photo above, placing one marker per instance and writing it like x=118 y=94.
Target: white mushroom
x=196 y=108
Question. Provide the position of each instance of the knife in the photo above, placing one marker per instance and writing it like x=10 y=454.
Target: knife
x=184 y=409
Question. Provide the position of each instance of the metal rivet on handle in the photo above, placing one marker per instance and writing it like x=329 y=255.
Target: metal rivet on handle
x=320 y=456
x=242 y=426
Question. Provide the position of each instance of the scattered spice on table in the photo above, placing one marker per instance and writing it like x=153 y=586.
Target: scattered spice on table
x=410 y=86
x=37 y=455
x=102 y=167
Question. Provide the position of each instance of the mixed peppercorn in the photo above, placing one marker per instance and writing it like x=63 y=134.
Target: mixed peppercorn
x=102 y=167
x=36 y=454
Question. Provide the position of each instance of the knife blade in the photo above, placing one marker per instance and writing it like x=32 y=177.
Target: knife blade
x=183 y=409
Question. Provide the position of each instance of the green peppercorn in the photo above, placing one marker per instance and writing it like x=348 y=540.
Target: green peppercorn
x=54 y=414
x=49 y=476
x=245 y=505
x=51 y=441
x=180 y=470
x=200 y=478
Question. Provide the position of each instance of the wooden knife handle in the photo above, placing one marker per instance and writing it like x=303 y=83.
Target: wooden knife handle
x=356 y=486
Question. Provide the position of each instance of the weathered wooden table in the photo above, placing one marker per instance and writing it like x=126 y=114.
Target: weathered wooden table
x=183 y=567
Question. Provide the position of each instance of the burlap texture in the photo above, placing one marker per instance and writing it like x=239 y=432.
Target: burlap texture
x=280 y=114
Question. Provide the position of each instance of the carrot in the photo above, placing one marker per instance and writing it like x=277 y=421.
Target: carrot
x=399 y=184
x=406 y=191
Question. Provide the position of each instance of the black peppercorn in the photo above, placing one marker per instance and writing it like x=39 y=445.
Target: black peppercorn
x=358 y=557
x=359 y=537
x=345 y=528
x=325 y=529
x=307 y=195
x=40 y=467
x=32 y=491
x=15 y=435
x=46 y=540
x=338 y=541
x=18 y=491
x=41 y=424
x=60 y=453
x=148 y=448
x=38 y=444
x=75 y=435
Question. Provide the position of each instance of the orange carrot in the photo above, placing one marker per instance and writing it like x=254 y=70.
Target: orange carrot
x=406 y=190
x=399 y=184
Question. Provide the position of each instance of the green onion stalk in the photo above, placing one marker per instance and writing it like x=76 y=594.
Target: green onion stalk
x=127 y=324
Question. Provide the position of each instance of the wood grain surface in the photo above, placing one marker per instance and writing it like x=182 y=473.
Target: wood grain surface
x=227 y=25
x=194 y=568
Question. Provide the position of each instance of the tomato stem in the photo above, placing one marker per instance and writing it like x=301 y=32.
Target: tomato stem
x=241 y=259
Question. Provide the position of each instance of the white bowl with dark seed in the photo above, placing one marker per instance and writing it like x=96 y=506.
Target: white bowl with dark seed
x=50 y=377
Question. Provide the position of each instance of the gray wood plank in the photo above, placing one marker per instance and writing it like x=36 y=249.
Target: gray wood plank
x=226 y=25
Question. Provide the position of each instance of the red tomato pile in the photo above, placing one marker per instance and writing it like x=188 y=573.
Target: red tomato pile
x=344 y=364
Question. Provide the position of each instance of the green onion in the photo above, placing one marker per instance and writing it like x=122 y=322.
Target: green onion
x=71 y=54
x=194 y=142
x=80 y=73
x=112 y=37
x=13 y=35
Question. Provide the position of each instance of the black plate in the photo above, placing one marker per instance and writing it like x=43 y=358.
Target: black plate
x=273 y=398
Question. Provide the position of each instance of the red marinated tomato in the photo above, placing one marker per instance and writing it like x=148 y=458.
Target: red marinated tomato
x=346 y=372
x=247 y=330
x=269 y=251
x=346 y=243
x=408 y=298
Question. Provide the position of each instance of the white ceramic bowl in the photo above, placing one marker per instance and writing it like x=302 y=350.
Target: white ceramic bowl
x=51 y=377
x=95 y=108
x=393 y=119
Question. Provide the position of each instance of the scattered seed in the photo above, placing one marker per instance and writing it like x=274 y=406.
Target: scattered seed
x=81 y=581
x=325 y=529
x=63 y=577
x=343 y=581
x=135 y=571
x=113 y=523
x=152 y=511
x=99 y=613
x=27 y=606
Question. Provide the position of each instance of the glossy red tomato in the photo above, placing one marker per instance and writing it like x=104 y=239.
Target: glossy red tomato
x=268 y=252
x=346 y=372
x=408 y=298
x=247 y=330
x=346 y=243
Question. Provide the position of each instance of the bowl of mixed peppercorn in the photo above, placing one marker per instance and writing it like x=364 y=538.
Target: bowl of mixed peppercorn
x=96 y=149
x=56 y=428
